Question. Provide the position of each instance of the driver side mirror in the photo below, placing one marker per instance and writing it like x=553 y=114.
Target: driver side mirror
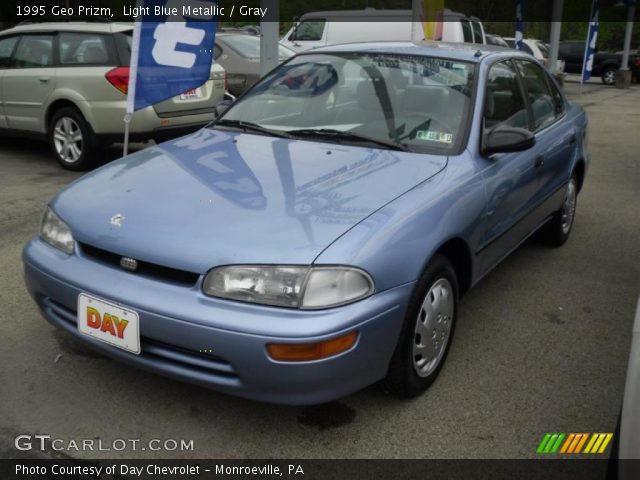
x=504 y=139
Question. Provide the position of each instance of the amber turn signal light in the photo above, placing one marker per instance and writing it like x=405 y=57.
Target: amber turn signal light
x=304 y=352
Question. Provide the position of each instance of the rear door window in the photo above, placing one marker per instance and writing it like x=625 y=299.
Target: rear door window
x=309 y=31
x=467 y=34
x=85 y=49
x=576 y=49
x=34 y=51
x=7 y=46
x=477 y=32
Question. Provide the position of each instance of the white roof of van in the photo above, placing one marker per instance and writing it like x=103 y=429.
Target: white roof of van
x=378 y=15
x=98 y=27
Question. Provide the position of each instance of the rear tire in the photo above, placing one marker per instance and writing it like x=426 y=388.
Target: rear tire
x=608 y=76
x=427 y=332
x=71 y=139
x=557 y=230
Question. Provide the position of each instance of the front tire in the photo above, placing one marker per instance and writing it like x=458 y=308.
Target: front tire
x=71 y=139
x=427 y=331
x=557 y=230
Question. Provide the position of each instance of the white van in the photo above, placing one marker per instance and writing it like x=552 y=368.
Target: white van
x=317 y=29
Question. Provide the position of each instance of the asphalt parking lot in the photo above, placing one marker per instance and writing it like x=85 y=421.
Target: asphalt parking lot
x=541 y=344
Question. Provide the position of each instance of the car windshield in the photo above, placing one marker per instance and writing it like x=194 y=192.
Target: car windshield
x=411 y=102
x=249 y=46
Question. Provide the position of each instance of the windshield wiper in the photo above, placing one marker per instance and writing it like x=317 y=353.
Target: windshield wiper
x=347 y=135
x=250 y=127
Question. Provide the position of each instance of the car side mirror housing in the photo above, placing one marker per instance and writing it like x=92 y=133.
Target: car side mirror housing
x=507 y=139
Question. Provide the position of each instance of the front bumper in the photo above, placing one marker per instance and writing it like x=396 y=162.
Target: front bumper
x=178 y=321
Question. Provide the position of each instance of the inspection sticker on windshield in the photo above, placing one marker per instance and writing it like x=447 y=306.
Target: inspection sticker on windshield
x=434 y=136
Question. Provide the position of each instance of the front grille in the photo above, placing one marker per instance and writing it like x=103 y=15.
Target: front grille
x=150 y=348
x=144 y=268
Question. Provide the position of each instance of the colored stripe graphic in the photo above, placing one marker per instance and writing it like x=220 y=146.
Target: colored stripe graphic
x=543 y=443
x=582 y=442
x=550 y=443
x=573 y=443
x=598 y=443
x=594 y=437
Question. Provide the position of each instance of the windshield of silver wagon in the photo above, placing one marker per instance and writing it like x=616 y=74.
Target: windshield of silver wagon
x=418 y=101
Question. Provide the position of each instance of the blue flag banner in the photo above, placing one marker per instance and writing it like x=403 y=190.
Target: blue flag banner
x=170 y=53
x=590 y=47
x=519 y=24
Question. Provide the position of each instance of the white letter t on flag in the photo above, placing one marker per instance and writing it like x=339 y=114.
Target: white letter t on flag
x=167 y=36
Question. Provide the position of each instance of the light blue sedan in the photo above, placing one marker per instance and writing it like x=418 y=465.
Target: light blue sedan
x=316 y=238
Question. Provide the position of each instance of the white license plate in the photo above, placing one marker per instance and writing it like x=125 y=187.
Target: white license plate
x=192 y=94
x=109 y=323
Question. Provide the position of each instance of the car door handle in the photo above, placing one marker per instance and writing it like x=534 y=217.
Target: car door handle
x=538 y=162
x=45 y=79
x=572 y=140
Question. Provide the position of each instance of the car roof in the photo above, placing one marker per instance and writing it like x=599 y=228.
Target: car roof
x=469 y=52
x=96 y=27
x=524 y=39
x=236 y=34
x=379 y=15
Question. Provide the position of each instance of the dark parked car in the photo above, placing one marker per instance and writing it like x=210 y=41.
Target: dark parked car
x=634 y=62
x=605 y=64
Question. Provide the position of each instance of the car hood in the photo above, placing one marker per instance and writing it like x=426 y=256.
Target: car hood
x=219 y=197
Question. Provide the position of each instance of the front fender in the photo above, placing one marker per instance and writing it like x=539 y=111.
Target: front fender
x=394 y=243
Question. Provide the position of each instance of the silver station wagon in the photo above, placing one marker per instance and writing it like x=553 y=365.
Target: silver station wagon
x=67 y=83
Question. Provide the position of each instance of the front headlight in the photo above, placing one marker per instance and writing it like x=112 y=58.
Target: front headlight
x=289 y=286
x=55 y=232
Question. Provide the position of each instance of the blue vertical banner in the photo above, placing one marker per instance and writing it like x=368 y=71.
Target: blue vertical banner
x=592 y=38
x=519 y=24
x=171 y=51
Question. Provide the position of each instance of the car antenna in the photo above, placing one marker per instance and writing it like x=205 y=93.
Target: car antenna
x=478 y=53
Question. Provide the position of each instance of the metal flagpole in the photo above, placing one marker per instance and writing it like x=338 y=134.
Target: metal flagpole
x=417 y=33
x=133 y=75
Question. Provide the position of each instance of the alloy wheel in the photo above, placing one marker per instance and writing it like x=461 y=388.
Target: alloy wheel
x=68 y=140
x=609 y=77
